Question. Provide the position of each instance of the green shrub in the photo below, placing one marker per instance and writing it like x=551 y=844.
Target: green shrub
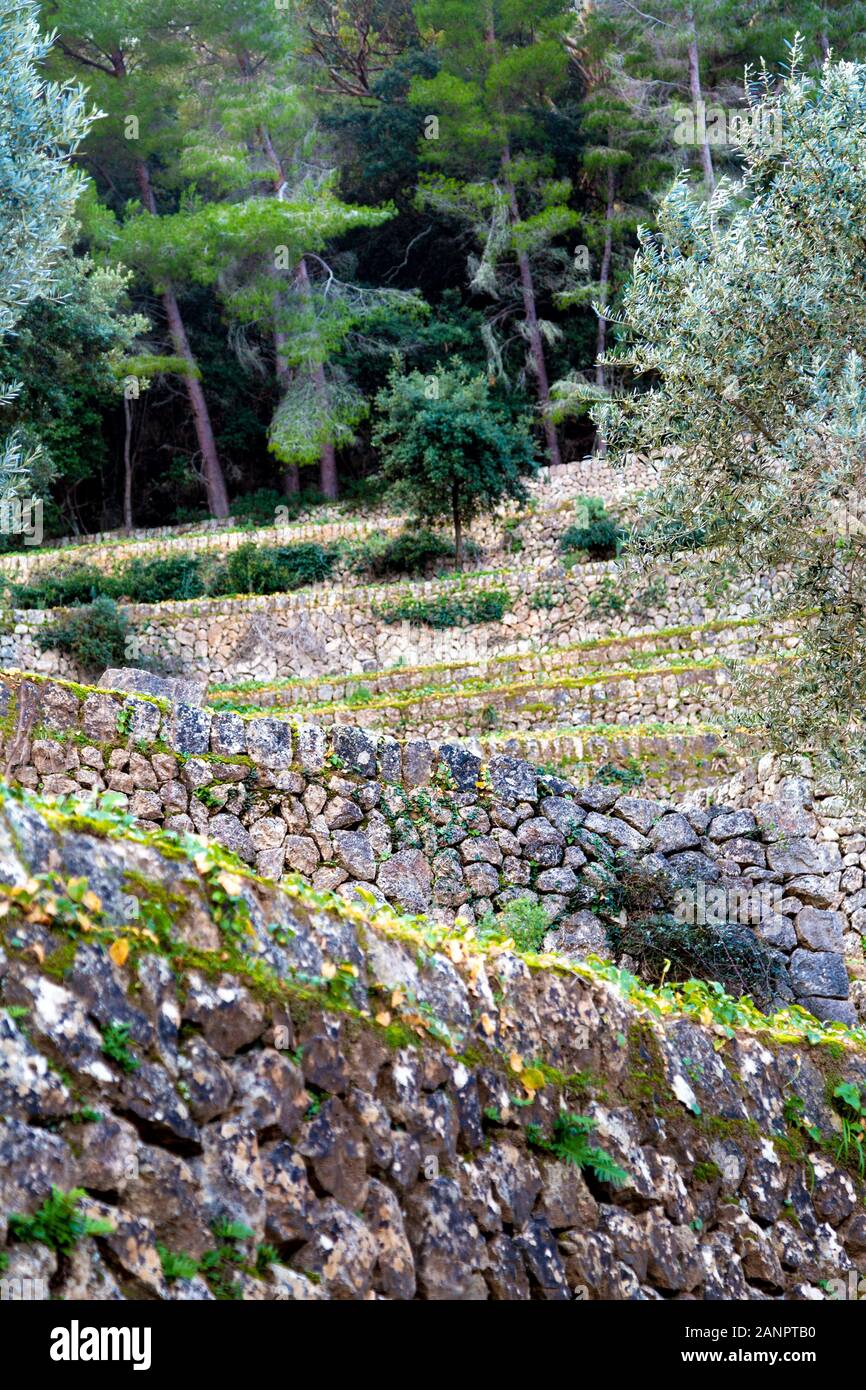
x=598 y=533
x=729 y=953
x=250 y=569
x=629 y=775
x=155 y=581
x=606 y=599
x=254 y=569
x=77 y=584
x=93 y=634
x=410 y=552
x=525 y=921
x=458 y=609
x=260 y=507
x=545 y=597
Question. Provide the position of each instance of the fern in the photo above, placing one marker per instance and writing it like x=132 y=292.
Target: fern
x=59 y=1223
x=570 y=1144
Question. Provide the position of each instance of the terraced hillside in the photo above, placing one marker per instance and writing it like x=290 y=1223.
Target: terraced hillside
x=534 y=649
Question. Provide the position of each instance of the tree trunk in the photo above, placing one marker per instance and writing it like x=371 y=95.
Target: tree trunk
x=127 y=465
x=215 y=487
x=697 y=98
x=328 y=484
x=527 y=287
x=536 y=346
x=458 y=527
x=603 y=295
x=604 y=278
x=291 y=476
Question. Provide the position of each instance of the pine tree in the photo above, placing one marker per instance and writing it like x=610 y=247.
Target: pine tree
x=132 y=55
x=502 y=65
x=251 y=138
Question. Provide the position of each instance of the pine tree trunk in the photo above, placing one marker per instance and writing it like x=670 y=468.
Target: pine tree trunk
x=127 y=465
x=527 y=286
x=536 y=345
x=603 y=294
x=291 y=475
x=604 y=278
x=214 y=481
x=697 y=98
x=328 y=484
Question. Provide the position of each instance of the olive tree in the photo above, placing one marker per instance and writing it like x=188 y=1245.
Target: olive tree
x=741 y=368
x=41 y=125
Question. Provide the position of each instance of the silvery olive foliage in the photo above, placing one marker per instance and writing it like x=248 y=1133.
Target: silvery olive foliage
x=741 y=362
x=41 y=125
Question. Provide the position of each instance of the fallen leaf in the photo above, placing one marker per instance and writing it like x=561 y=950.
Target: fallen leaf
x=119 y=950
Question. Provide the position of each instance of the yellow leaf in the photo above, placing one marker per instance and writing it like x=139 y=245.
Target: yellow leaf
x=92 y=901
x=488 y=1025
x=533 y=1079
x=455 y=951
x=397 y=998
x=383 y=1018
x=119 y=950
x=515 y=1062
x=329 y=970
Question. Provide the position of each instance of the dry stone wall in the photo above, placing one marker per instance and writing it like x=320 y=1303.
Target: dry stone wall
x=399 y=1137
x=551 y=489
x=434 y=827
x=337 y=628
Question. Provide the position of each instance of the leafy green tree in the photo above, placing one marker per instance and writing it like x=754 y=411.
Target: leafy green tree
x=748 y=321
x=501 y=66
x=41 y=126
x=452 y=446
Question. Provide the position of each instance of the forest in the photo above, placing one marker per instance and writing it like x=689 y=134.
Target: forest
x=293 y=210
